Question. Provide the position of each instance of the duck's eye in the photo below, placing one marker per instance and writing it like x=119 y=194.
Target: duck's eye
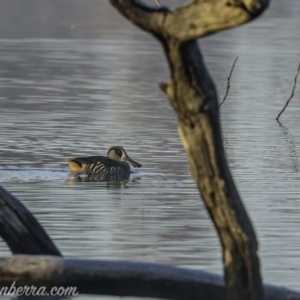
x=118 y=152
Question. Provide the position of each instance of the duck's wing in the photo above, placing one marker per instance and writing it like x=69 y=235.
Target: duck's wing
x=79 y=164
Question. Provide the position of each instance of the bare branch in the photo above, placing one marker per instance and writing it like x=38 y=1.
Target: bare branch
x=293 y=90
x=228 y=81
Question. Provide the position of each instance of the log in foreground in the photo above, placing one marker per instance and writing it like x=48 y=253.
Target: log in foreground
x=120 y=278
x=20 y=230
x=194 y=98
x=116 y=278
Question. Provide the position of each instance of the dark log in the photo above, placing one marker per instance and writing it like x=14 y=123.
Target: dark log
x=120 y=278
x=194 y=98
x=100 y=277
x=20 y=230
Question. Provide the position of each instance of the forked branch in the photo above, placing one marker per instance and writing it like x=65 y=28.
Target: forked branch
x=194 y=20
x=193 y=96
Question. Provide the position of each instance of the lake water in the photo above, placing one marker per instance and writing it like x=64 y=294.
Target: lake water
x=76 y=78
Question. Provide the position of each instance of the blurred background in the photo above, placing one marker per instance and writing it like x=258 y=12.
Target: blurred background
x=77 y=78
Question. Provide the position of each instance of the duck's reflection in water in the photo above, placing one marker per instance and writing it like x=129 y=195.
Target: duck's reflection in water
x=112 y=180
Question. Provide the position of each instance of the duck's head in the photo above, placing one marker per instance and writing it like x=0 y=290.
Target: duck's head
x=118 y=153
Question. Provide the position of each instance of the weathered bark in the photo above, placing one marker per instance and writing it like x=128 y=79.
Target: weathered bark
x=193 y=96
x=20 y=230
x=196 y=19
x=120 y=278
x=201 y=135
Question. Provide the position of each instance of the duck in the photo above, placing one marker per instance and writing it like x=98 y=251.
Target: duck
x=116 y=163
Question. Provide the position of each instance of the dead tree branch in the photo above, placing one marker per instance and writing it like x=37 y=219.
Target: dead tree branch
x=189 y=22
x=228 y=82
x=193 y=96
x=20 y=230
x=293 y=91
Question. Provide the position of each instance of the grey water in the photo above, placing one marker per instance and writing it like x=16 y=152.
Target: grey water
x=77 y=78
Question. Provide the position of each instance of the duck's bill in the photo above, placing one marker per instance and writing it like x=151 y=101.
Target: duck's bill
x=132 y=162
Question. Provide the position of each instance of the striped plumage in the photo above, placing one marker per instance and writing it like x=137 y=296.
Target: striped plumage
x=116 y=163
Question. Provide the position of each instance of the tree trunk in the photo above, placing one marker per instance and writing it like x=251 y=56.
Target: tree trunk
x=193 y=96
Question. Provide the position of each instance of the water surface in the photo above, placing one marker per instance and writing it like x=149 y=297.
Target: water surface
x=76 y=84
